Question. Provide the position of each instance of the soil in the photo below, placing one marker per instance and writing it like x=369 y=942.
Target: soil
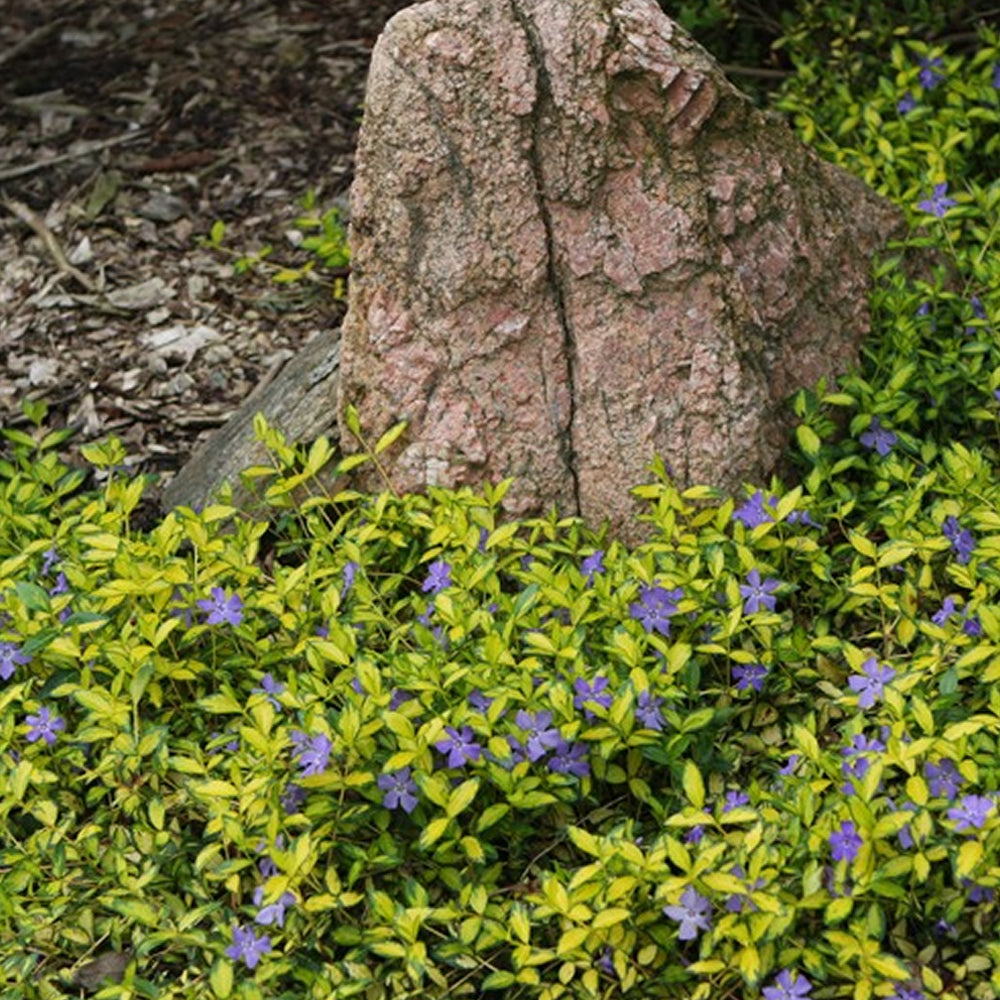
x=127 y=130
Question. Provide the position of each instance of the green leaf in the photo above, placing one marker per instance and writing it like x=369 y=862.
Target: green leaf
x=499 y=980
x=808 y=439
x=969 y=856
x=611 y=916
x=389 y=437
x=461 y=798
x=221 y=978
x=587 y=842
x=694 y=786
x=136 y=910
x=491 y=815
x=839 y=909
x=351 y=420
x=434 y=831
x=220 y=704
x=215 y=789
x=33 y=597
x=572 y=939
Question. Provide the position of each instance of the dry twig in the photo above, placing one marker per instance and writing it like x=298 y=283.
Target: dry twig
x=32 y=38
x=30 y=219
x=84 y=150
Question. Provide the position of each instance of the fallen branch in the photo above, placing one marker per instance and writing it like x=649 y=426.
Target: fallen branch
x=91 y=147
x=32 y=38
x=34 y=222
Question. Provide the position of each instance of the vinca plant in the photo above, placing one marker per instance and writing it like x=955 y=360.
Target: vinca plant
x=341 y=745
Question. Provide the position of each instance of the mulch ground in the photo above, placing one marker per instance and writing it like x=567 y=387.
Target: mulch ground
x=127 y=129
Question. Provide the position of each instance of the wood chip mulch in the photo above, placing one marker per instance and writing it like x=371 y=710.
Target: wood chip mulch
x=127 y=129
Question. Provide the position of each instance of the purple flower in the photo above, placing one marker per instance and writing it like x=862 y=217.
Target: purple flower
x=272 y=688
x=870 y=684
x=350 y=572
x=569 y=758
x=905 y=834
x=802 y=517
x=44 y=726
x=854 y=770
x=906 y=103
x=593 y=565
x=978 y=893
x=963 y=542
x=313 y=752
x=753 y=512
x=972 y=626
x=460 y=746
x=61 y=586
x=971 y=812
x=247 y=946
x=479 y=701
x=845 y=842
x=694 y=835
x=749 y=675
x=862 y=744
x=996 y=77
x=928 y=76
x=438 y=577
x=518 y=753
x=737 y=902
x=647 y=711
x=595 y=693
x=878 y=437
x=293 y=798
x=400 y=790
x=789 y=769
x=758 y=594
x=938 y=204
x=943 y=777
x=398 y=697
x=734 y=799
x=273 y=913
x=11 y=657
x=655 y=606
x=946 y=610
x=944 y=929
x=50 y=558
x=907 y=993
x=963 y=547
x=222 y=608
x=606 y=962
x=788 y=988
x=692 y=913
x=541 y=735
x=266 y=865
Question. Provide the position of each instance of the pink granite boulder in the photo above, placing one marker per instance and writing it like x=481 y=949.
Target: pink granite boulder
x=576 y=245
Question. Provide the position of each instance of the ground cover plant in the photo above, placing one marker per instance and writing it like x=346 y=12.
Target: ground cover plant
x=387 y=746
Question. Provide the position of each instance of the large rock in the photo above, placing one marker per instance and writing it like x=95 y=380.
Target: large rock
x=576 y=244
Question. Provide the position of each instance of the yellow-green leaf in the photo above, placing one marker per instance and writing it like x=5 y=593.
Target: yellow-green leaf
x=969 y=855
x=572 y=939
x=749 y=963
x=221 y=978
x=694 y=787
x=610 y=917
x=433 y=832
x=387 y=439
x=462 y=797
